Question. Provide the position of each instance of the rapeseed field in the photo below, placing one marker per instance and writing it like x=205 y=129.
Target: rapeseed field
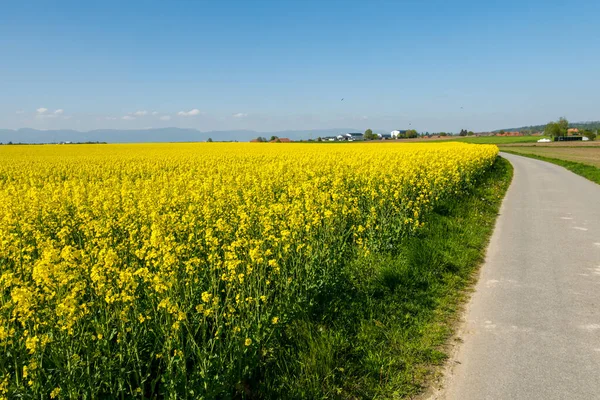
x=169 y=270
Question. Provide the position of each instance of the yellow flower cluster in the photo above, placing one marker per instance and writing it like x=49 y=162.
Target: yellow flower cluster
x=122 y=266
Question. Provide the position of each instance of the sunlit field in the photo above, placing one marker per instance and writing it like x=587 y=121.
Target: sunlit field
x=173 y=270
x=589 y=155
x=499 y=140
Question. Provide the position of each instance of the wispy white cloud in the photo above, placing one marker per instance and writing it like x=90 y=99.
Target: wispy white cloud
x=128 y=118
x=140 y=113
x=191 y=113
x=154 y=112
x=111 y=118
x=240 y=115
x=165 y=118
x=44 y=113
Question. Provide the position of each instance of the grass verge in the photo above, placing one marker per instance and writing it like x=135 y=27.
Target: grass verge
x=587 y=171
x=382 y=332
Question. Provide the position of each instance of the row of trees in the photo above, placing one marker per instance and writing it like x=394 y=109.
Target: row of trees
x=411 y=133
x=264 y=139
x=561 y=128
x=592 y=126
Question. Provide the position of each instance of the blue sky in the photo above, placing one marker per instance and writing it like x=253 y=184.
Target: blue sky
x=274 y=65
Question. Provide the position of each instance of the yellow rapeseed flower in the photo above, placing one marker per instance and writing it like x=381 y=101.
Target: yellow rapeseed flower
x=132 y=239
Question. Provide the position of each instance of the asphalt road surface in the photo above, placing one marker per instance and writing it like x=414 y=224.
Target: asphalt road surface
x=532 y=327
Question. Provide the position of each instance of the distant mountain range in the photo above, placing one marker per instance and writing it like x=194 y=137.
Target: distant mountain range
x=591 y=125
x=36 y=136
x=28 y=135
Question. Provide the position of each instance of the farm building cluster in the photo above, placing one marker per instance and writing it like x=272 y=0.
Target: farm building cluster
x=356 y=136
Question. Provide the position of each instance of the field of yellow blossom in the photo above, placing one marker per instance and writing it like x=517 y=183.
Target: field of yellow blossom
x=169 y=270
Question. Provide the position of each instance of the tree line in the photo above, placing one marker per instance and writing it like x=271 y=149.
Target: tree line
x=590 y=125
x=561 y=128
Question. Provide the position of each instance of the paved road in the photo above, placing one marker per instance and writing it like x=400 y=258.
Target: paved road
x=532 y=328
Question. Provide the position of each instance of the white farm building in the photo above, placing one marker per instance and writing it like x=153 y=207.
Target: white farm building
x=397 y=133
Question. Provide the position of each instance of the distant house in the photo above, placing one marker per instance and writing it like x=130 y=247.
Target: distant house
x=396 y=133
x=350 y=137
x=281 y=140
x=384 y=136
x=354 y=136
x=572 y=131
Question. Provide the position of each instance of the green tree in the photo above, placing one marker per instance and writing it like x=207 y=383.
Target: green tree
x=557 y=128
x=411 y=133
x=463 y=132
x=588 y=134
x=470 y=133
x=209 y=140
x=552 y=129
x=368 y=135
x=273 y=138
x=563 y=124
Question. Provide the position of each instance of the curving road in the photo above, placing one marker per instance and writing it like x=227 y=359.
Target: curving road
x=532 y=327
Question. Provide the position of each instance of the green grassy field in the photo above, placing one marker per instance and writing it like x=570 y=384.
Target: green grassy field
x=580 y=160
x=583 y=155
x=382 y=333
x=499 y=139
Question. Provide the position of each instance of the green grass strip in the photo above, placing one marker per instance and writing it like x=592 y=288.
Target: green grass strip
x=498 y=139
x=383 y=332
x=587 y=171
